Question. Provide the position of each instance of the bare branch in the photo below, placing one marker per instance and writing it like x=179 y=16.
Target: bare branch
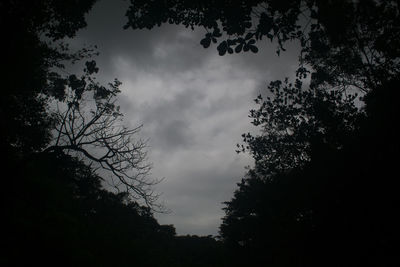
x=96 y=134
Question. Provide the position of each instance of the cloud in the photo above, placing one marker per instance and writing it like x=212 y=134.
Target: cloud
x=196 y=193
x=193 y=105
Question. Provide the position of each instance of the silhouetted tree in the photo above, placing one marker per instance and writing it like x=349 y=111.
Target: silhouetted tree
x=292 y=120
x=27 y=28
x=336 y=208
x=192 y=250
x=273 y=209
x=61 y=215
x=25 y=110
x=89 y=123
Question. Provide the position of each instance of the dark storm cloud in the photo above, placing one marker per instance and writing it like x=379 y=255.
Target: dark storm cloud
x=193 y=105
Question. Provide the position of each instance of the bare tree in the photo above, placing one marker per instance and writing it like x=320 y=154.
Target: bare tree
x=89 y=124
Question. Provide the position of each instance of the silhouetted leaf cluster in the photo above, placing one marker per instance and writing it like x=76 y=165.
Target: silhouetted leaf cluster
x=347 y=43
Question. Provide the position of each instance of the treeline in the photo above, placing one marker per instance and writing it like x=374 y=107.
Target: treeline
x=57 y=213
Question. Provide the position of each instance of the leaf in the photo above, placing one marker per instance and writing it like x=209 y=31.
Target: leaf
x=231 y=42
x=253 y=48
x=205 y=42
x=248 y=36
x=217 y=32
x=238 y=48
x=222 y=47
x=91 y=67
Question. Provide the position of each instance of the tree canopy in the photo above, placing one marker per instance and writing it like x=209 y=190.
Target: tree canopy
x=346 y=43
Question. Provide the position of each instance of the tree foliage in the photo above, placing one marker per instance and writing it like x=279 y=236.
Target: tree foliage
x=28 y=27
x=346 y=43
x=337 y=204
x=61 y=215
x=293 y=120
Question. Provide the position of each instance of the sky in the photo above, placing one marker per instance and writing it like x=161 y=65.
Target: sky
x=193 y=105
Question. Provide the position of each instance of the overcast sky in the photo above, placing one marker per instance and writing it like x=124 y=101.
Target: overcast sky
x=193 y=105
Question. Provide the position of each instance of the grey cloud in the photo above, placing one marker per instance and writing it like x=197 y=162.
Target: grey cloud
x=169 y=120
x=197 y=204
x=167 y=48
x=193 y=104
x=174 y=134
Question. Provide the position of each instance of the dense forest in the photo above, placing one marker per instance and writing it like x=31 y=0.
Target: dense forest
x=322 y=191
